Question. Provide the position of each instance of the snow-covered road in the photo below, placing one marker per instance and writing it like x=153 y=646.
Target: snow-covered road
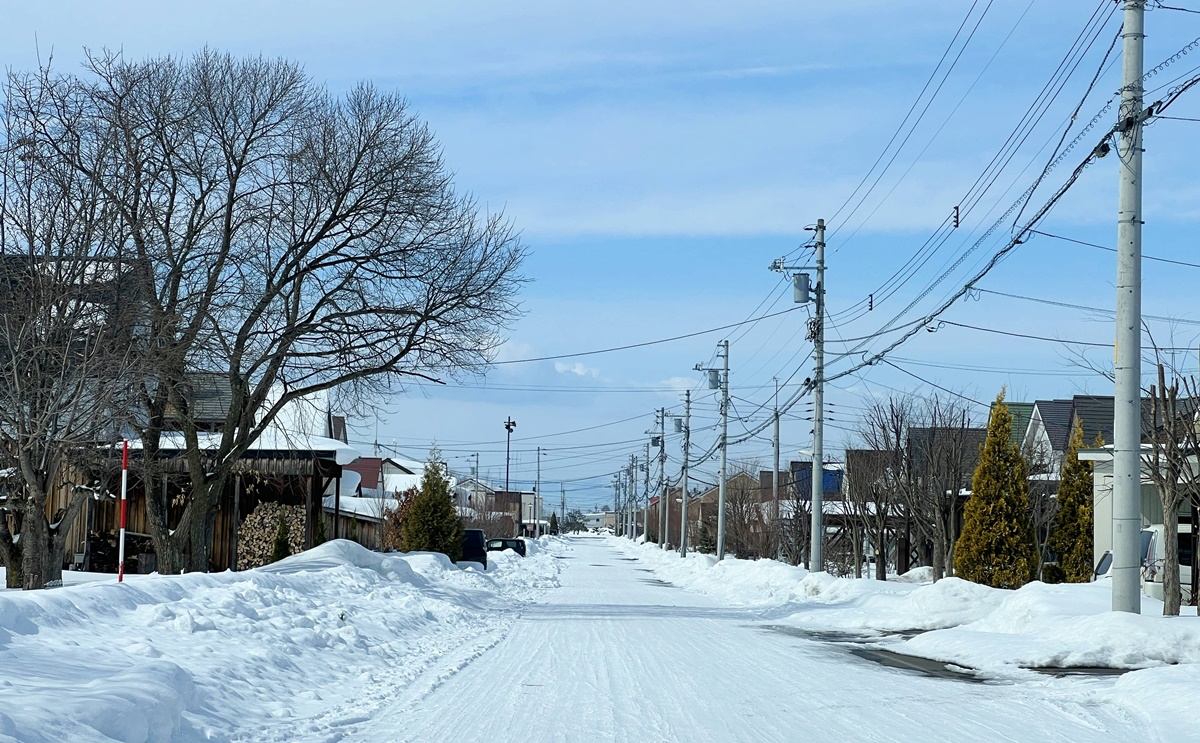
x=615 y=654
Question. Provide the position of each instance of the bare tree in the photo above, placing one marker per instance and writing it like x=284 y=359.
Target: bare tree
x=1172 y=464
x=64 y=337
x=795 y=524
x=880 y=478
x=943 y=454
x=290 y=241
x=748 y=528
x=1043 y=506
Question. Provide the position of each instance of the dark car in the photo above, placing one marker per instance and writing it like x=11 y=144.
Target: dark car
x=499 y=545
x=474 y=546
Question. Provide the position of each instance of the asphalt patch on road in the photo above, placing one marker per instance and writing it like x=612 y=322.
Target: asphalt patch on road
x=867 y=647
x=657 y=582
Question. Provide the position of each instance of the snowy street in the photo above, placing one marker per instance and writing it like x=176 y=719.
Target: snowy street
x=615 y=654
x=587 y=639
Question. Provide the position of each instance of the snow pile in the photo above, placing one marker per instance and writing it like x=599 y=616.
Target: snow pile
x=820 y=600
x=183 y=658
x=1064 y=626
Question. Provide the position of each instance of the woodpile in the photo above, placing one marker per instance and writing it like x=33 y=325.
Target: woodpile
x=256 y=535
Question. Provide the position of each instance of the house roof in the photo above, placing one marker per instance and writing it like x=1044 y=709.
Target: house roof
x=1095 y=412
x=927 y=442
x=1021 y=413
x=1056 y=419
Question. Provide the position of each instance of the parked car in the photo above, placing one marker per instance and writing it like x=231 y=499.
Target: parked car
x=1152 y=560
x=1151 y=551
x=474 y=547
x=501 y=544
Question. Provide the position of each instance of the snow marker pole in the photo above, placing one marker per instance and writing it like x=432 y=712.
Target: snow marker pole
x=124 y=489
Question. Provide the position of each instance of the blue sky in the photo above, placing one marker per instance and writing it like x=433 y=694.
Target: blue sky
x=657 y=157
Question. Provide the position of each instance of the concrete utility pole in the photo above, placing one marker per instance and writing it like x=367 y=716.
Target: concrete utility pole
x=666 y=488
x=816 y=333
x=724 y=452
x=537 y=496
x=687 y=435
x=632 y=510
x=646 y=493
x=617 y=479
x=775 y=476
x=1127 y=431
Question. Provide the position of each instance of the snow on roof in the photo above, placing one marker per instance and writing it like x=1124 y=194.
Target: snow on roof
x=272 y=439
x=366 y=509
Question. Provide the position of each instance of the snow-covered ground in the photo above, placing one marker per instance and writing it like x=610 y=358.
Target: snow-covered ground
x=587 y=639
x=304 y=649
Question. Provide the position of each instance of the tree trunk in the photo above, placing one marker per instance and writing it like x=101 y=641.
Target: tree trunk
x=166 y=548
x=1170 y=578
x=10 y=554
x=35 y=544
x=939 y=554
x=856 y=537
x=881 y=554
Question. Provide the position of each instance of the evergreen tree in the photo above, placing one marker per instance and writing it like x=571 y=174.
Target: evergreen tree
x=433 y=525
x=1071 y=538
x=996 y=544
x=320 y=537
x=281 y=549
x=553 y=523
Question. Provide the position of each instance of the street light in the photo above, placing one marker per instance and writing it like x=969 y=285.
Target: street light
x=509 y=425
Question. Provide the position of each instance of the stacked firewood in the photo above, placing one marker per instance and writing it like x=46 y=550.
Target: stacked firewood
x=256 y=535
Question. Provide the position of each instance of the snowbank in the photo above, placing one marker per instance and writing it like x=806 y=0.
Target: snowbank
x=192 y=657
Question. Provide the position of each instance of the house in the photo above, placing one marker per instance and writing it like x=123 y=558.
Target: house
x=600 y=519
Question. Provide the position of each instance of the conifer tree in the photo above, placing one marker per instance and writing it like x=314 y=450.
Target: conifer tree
x=553 y=523
x=996 y=544
x=432 y=524
x=281 y=548
x=320 y=537
x=1072 y=535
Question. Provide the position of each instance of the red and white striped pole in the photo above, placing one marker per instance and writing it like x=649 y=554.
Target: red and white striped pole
x=124 y=488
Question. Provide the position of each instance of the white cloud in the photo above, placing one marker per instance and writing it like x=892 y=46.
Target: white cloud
x=578 y=368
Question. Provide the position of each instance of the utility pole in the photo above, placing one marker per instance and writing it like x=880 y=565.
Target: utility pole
x=537 y=496
x=816 y=333
x=616 y=503
x=646 y=493
x=509 y=425
x=687 y=434
x=724 y=453
x=562 y=505
x=1127 y=432
x=775 y=479
x=719 y=379
x=665 y=542
x=632 y=510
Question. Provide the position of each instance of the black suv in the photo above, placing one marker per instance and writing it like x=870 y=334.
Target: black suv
x=499 y=545
x=474 y=547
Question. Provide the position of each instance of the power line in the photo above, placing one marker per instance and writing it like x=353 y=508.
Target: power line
x=1113 y=250
x=933 y=384
x=645 y=343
